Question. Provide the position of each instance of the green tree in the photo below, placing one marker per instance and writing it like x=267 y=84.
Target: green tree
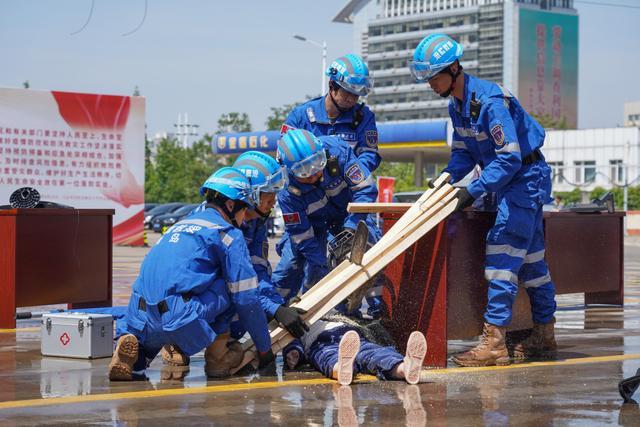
x=569 y=197
x=402 y=172
x=176 y=173
x=234 y=122
x=279 y=114
x=633 y=195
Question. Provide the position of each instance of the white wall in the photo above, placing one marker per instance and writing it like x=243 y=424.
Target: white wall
x=599 y=145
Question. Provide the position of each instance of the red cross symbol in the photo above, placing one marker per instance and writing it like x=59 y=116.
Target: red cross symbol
x=64 y=339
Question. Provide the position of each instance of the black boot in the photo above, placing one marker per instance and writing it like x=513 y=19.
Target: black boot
x=628 y=387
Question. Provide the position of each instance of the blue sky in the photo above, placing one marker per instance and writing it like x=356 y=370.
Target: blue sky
x=211 y=57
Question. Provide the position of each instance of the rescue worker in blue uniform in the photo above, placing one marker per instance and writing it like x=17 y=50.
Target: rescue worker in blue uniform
x=339 y=113
x=324 y=176
x=491 y=129
x=267 y=178
x=197 y=274
x=338 y=347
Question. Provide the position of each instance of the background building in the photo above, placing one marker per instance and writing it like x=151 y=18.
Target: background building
x=589 y=158
x=632 y=113
x=529 y=46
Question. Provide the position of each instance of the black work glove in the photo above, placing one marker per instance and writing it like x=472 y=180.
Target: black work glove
x=291 y=319
x=430 y=183
x=464 y=199
x=266 y=363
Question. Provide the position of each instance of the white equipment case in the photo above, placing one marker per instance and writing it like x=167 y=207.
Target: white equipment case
x=79 y=335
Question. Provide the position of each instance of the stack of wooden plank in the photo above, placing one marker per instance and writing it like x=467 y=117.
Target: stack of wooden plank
x=427 y=212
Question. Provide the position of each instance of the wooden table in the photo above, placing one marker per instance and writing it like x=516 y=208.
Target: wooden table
x=54 y=256
x=438 y=285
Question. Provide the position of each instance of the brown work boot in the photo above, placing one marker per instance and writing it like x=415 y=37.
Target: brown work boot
x=123 y=359
x=540 y=344
x=220 y=357
x=491 y=350
x=173 y=356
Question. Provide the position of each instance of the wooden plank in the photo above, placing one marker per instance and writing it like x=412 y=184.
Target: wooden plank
x=378 y=207
x=353 y=276
x=437 y=214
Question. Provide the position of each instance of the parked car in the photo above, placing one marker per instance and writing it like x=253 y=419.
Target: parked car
x=149 y=206
x=407 y=196
x=160 y=210
x=159 y=222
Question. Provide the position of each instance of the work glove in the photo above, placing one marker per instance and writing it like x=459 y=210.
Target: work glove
x=430 y=183
x=291 y=319
x=464 y=199
x=266 y=363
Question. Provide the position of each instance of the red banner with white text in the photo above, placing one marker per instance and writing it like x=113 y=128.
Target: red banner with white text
x=82 y=150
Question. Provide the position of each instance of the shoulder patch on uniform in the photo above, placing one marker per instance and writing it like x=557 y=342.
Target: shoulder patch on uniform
x=355 y=174
x=498 y=134
x=291 y=218
x=294 y=190
x=311 y=115
x=285 y=128
x=371 y=138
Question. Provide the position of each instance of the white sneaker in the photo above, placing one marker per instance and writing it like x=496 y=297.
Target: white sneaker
x=347 y=351
x=416 y=351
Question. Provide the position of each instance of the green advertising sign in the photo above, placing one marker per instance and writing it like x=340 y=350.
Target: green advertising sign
x=548 y=66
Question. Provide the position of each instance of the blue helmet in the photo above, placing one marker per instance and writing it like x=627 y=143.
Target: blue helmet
x=265 y=174
x=302 y=153
x=433 y=54
x=231 y=183
x=351 y=73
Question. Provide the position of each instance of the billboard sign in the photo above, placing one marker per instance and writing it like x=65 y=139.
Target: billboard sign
x=548 y=65
x=78 y=149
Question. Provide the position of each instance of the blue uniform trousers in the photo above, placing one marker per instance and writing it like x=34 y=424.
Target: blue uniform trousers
x=293 y=272
x=371 y=359
x=191 y=325
x=515 y=249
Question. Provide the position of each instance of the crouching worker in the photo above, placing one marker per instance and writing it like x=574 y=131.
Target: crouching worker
x=338 y=347
x=198 y=273
x=267 y=178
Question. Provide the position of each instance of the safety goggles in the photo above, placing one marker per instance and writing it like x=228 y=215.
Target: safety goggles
x=360 y=86
x=274 y=184
x=245 y=194
x=309 y=166
x=422 y=71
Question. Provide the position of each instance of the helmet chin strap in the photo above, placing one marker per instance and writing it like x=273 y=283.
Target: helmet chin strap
x=231 y=213
x=454 y=77
x=333 y=100
x=263 y=215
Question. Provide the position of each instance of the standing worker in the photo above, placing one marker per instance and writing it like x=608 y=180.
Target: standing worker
x=339 y=113
x=325 y=176
x=491 y=129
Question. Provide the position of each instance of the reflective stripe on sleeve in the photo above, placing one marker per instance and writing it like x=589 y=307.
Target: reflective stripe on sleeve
x=243 y=285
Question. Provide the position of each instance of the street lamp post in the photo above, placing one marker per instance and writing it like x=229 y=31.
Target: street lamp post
x=322 y=46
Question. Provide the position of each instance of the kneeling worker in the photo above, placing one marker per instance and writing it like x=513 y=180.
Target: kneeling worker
x=197 y=273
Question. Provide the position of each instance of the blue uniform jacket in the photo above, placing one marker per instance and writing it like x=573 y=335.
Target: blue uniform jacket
x=312 y=116
x=204 y=253
x=501 y=136
x=255 y=235
x=311 y=210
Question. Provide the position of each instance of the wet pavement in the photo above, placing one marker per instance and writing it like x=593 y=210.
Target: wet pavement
x=598 y=346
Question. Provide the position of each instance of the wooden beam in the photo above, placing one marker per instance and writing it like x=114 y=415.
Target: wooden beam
x=378 y=207
x=433 y=207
